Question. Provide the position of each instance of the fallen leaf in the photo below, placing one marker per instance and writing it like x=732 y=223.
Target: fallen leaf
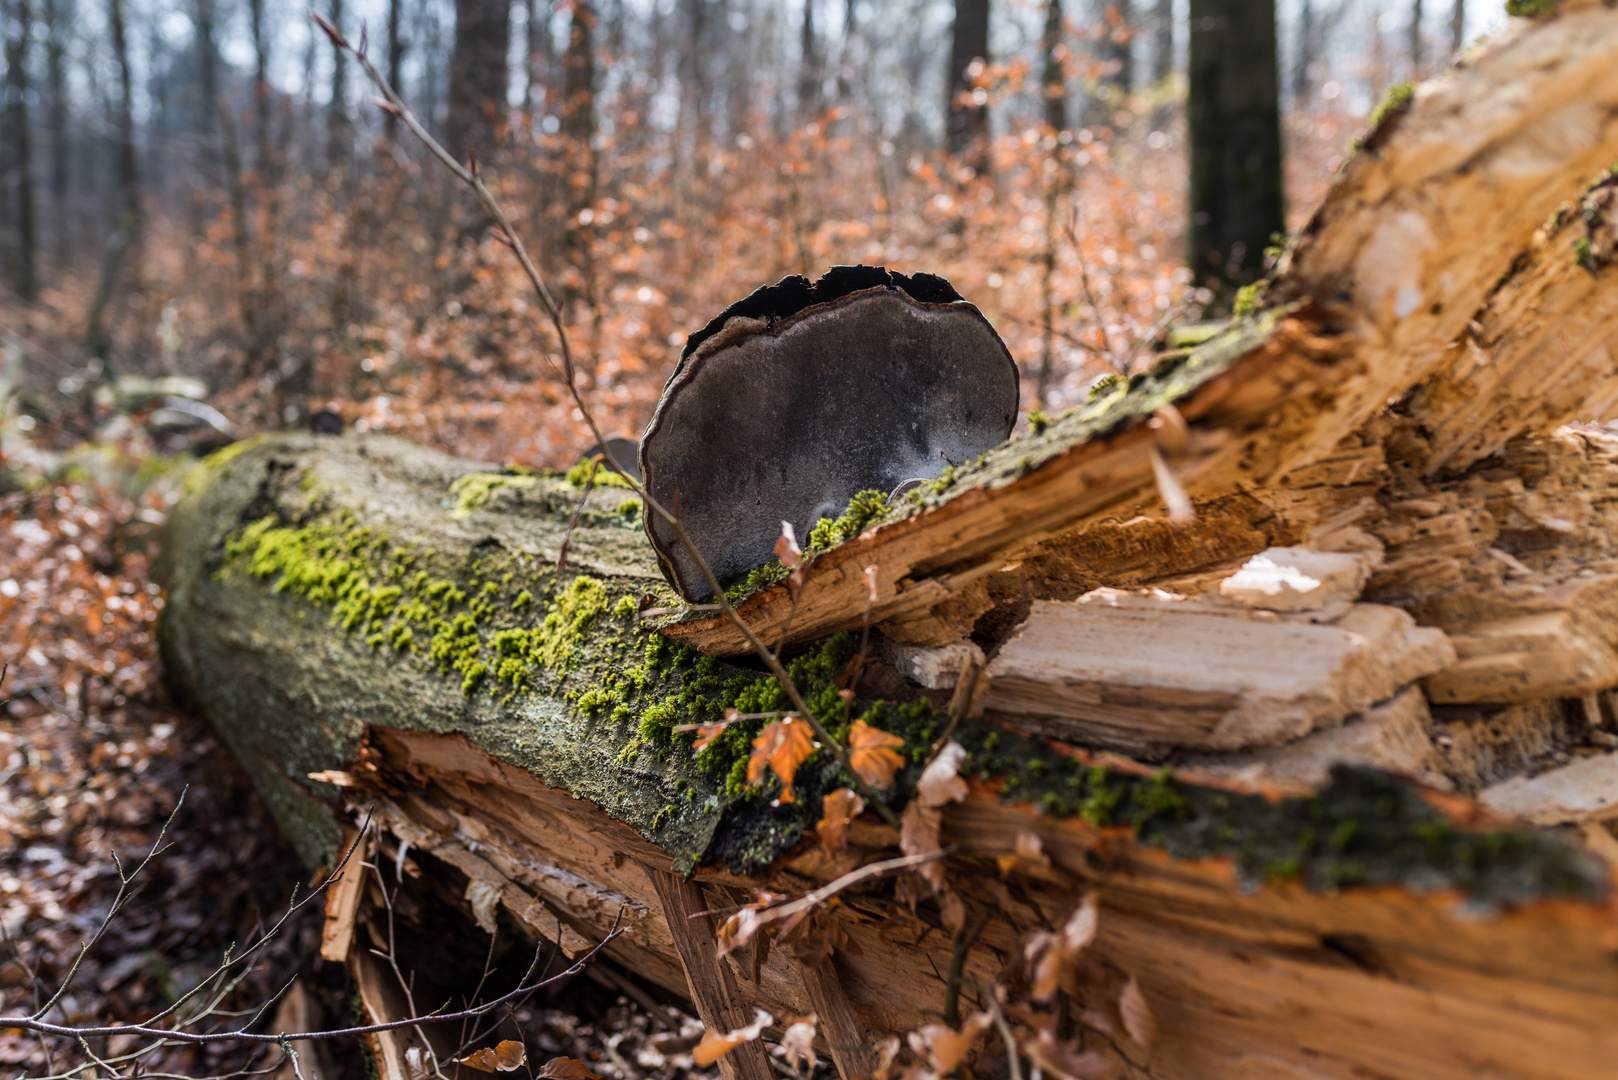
x=837 y=812
x=1055 y=957
x=786 y=547
x=566 y=1068
x=943 y=1047
x=736 y=931
x=1137 y=1015
x=798 y=1041
x=1031 y=851
x=873 y=753
x=870 y=586
x=886 y=1051
x=910 y=890
x=715 y=1045
x=509 y=1056
x=782 y=746
x=707 y=733
x=952 y=913
x=939 y=784
x=1066 y=1060
x=918 y=835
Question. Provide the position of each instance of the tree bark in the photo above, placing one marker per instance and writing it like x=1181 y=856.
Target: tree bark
x=1234 y=116
x=56 y=78
x=477 y=76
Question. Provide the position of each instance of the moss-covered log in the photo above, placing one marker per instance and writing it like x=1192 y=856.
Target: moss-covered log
x=393 y=619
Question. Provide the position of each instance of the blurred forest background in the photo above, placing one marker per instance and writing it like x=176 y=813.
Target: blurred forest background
x=201 y=190
x=207 y=230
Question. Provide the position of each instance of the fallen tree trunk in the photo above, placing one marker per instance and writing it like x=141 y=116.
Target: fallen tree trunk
x=1380 y=663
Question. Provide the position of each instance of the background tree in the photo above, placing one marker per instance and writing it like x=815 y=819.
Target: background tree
x=477 y=75
x=19 y=34
x=969 y=45
x=1233 y=112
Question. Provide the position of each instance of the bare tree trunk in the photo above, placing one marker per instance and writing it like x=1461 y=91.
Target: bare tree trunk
x=1163 y=41
x=477 y=75
x=337 y=128
x=578 y=131
x=1053 y=77
x=808 y=65
x=202 y=19
x=1457 y=26
x=18 y=41
x=969 y=50
x=390 y=122
x=1234 y=115
x=1415 y=39
x=1303 y=59
x=56 y=77
x=1118 y=68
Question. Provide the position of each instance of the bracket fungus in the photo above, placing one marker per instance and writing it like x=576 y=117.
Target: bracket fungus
x=801 y=395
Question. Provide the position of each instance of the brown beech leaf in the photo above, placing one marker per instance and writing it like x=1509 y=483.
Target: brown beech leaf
x=798 y=1041
x=707 y=733
x=873 y=753
x=837 y=812
x=939 y=784
x=943 y=1047
x=738 y=930
x=910 y=890
x=918 y=835
x=1055 y=957
x=786 y=547
x=870 y=586
x=1137 y=1015
x=1067 y=1061
x=715 y=1045
x=952 y=913
x=886 y=1051
x=566 y=1068
x=782 y=746
x=509 y=1056
x=1029 y=854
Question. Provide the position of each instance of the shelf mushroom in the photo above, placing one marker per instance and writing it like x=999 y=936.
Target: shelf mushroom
x=803 y=394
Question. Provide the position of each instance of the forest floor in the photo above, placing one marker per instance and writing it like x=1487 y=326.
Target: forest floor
x=95 y=759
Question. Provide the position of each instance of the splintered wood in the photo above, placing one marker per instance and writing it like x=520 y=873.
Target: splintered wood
x=1140 y=670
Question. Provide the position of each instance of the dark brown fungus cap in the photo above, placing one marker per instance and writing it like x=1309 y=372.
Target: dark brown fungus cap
x=803 y=394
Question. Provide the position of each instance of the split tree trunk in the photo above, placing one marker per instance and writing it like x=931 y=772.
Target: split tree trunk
x=1436 y=597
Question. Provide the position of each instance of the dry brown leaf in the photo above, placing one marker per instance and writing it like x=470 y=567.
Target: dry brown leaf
x=786 y=547
x=886 y=1051
x=707 y=733
x=1066 y=1060
x=715 y=1045
x=1055 y=957
x=566 y=1068
x=1031 y=851
x=837 y=811
x=1137 y=1015
x=939 y=784
x=945 y=1048
x=798 y=1041
x=739 y=929
x=871 y=596
x=873 y=753
x=910 y=890
x=952 y=913
x=918 y=835
x=509 y=1056
x=782 y=746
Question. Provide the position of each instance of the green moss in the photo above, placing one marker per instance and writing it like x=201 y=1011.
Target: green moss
x=474 y=491
x=864 y=508
x=1530 y=7
x=1105 y=385
x=1582 y=255
x=1248 y=297
x=1037 y=422
x=1395 y=99
x=629 y=507
x=209 y=468
x=579 y=475
x=760 y=577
